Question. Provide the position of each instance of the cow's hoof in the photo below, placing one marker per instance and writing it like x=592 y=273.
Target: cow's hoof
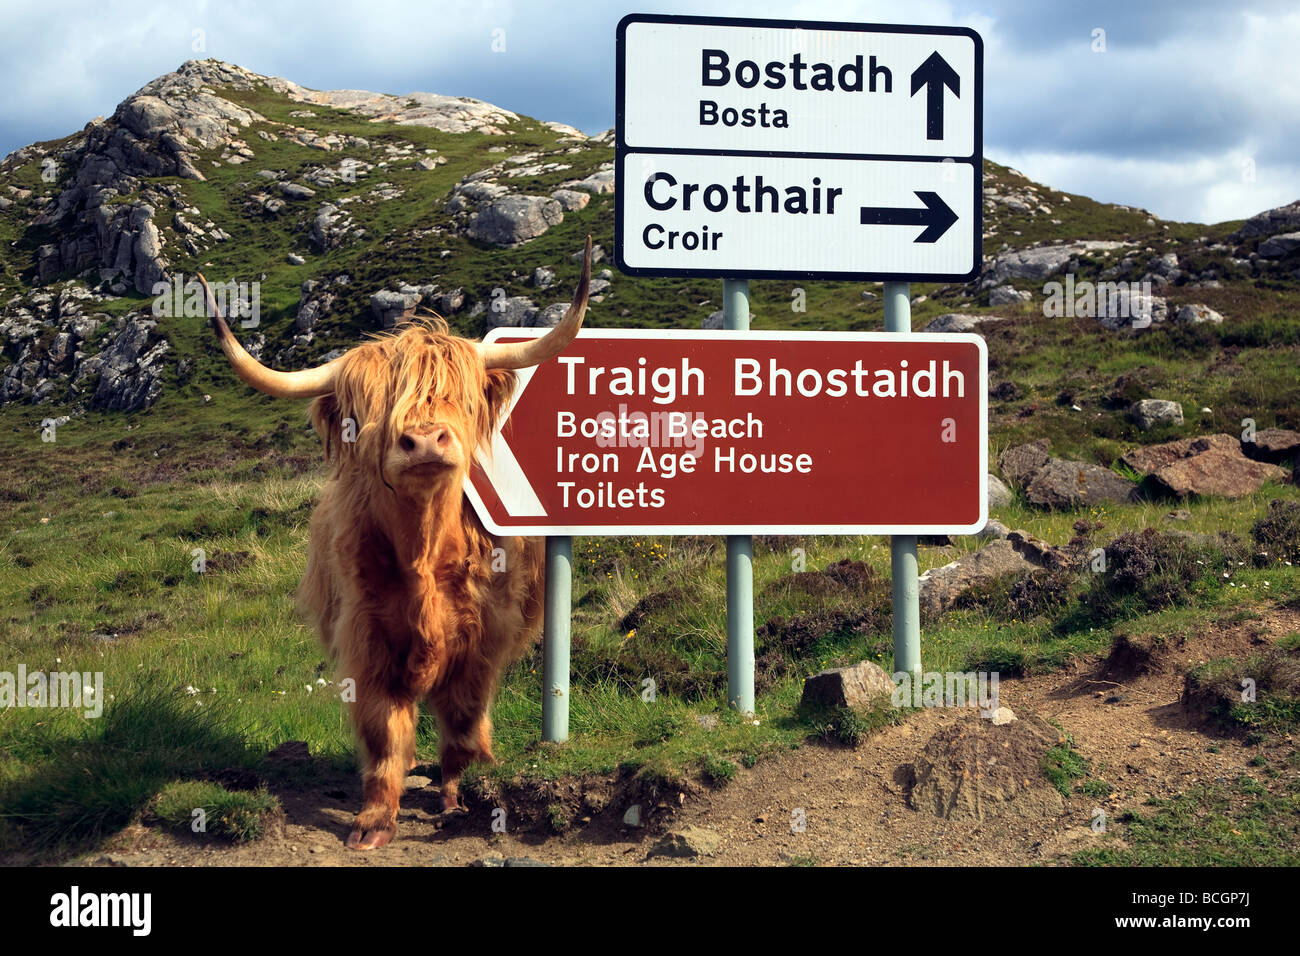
x=360 y=839
x=452 y=807
x=450 y=817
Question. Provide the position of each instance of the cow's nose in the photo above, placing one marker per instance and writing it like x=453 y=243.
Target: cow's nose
x=432 y=441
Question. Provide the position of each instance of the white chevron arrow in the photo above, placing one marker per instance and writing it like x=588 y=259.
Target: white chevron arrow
x=503 y=469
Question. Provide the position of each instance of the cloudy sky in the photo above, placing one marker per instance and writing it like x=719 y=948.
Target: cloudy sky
x=1191 y=110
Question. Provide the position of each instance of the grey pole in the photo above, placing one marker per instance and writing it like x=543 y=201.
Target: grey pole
x=555 y=639
x=902 y=548
x=740 y=551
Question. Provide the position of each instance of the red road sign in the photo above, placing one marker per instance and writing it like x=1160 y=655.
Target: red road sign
x=684 y=432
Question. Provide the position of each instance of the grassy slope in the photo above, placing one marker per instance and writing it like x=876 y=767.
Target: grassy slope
x=128 y=498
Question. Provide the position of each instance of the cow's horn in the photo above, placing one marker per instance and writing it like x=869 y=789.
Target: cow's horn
x=306 y=383
x=537 y=351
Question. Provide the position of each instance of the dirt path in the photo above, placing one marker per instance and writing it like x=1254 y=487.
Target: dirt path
x=854 y=802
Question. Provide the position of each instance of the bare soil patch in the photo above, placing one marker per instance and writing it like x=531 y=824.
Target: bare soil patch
x=813 y=805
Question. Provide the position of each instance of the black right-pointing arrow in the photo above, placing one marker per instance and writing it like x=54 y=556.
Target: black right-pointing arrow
x=937 y=217
x=934 y=74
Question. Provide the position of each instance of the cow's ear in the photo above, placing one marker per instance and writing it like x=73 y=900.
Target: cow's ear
x=500 y=386
x=325 y=419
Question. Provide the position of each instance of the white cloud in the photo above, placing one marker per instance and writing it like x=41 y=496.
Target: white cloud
x=1211 y=189
x=1185 y=92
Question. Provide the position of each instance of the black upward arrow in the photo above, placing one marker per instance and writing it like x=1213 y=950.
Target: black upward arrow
x=937 y=217
x=934 y=74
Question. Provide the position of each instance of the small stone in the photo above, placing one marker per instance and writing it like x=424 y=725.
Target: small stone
x=847 y=686
x=417 y=782
x=1196 y=314
x=632 y=818
x=999 y=493
x=1003 y=715
x=689 y=841
x=295 y=191
x=993 y=528
x=1008 y=295
x=1150 y=412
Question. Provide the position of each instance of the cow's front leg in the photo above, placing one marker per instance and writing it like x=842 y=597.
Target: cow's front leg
x=386 y=727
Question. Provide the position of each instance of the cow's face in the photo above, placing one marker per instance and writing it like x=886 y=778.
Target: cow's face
x=412 y=410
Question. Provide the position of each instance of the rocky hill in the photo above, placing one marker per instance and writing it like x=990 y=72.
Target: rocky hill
x=337 y=213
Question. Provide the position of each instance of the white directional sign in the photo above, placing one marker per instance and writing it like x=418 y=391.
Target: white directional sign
x=762 y=148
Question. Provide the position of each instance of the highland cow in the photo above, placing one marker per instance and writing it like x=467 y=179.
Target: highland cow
x=402 y=582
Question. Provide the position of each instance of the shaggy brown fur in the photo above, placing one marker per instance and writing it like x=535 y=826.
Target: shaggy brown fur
x=400 y=580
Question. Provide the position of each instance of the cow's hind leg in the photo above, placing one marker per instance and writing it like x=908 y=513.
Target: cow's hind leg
x=464 y=735
x=387 y=731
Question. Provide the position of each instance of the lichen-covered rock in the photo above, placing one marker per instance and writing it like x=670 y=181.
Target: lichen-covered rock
x=941 y=587
x=571 y=200
x=955 y=322
x=1215 y=472
x=1270 y=222
x=1152 y=412
x=1149 y=458
x=999 y=494
x=1020 y=463
x=1196 y=314
x=1276 y=445
x=389 y=308
x=854 y=686
x=510 y=220
x=1070 y=484
x=510 y=312
x=130 y=367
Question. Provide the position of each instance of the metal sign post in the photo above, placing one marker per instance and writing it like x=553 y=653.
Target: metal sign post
x=555 y=638
x=740 y=551
x=903 y=570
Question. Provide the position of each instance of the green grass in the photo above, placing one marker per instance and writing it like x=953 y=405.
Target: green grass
x=1061 y=765
x=210 y=809
x=718 y=771
x=1239 y=824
